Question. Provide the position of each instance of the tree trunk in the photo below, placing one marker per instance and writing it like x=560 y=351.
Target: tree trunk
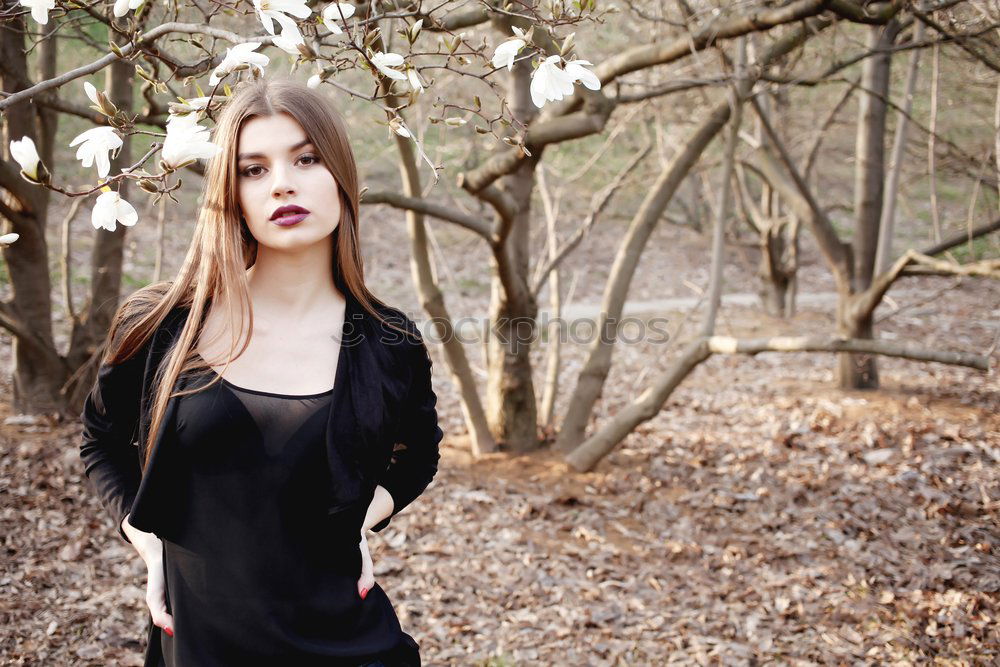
x=860 y=371
x=38 y=371
x=778 y=266
x=595 y=371
x=887 y=227
x=511 y=407
x=778 y=237
x=779 y=242
x=724 y=210
x=553 y=348
x=432 y=300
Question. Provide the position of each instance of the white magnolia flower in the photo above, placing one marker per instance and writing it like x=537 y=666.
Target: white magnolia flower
x=199 y=103
x=189 y=106
x=110 y=208
x=97 y=143
x=414 y=30
x=396 y=123
x=186 y=140
x=277 y=10
x=240 y=54
x=334 y=12
x=386 y=61
x=91 y=92
x=122 y=7
x=7 y=239
x=505 y=53
x=314 y=81
x=289 y=37
x=39 y=9
x=576 y=69
x=24 y=152
x=415 y=81
x=550 y=82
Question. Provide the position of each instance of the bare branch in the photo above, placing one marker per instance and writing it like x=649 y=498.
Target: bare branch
x=730 y=345
x=874 y=13
x=669 y=88
x=964 y=43
x=588 y=454
x=66 y=265
x=642 y=57
x=10 y=175
x=630 y=61
x=801 y=199
x=13 y=323
x=868 y=300
x=583 y=123
x=126 y=51
x=506 y=209
x=16 y=217
x=824 y=126
x=986 y=268
x=961 y=237
x=602 y=199
x=430 y=208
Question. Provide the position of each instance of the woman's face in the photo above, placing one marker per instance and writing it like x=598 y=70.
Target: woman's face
x=277 y=166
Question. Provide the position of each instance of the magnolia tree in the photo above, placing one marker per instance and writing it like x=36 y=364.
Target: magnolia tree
x=552 y=78
x=185 y=87
x=512 y=71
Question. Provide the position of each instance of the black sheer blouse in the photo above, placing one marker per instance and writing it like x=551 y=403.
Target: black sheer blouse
x=258 y=573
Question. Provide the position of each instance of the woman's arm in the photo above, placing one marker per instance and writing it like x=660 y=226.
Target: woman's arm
x=413 y=467
x=379 y=510
x=110 y=416
x=150 y=548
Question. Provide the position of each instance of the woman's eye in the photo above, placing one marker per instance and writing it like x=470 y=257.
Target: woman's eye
x=313 y=159
x=246 y=172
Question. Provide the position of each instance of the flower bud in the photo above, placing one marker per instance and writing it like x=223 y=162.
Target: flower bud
x=148 y=186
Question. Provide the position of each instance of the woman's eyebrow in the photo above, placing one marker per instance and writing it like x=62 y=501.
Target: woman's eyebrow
x=247 y=156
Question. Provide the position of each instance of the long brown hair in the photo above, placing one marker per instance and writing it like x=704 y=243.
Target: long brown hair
x=222 y=248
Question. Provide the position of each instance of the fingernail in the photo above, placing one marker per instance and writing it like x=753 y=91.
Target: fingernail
x=364 y=592
x=169 y=631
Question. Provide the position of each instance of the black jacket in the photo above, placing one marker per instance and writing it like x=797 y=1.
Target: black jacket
x=387 y=436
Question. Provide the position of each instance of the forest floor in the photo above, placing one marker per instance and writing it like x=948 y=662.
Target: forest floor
x=764 y=515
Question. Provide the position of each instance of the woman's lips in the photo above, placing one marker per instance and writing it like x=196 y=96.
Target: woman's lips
x=288 y=220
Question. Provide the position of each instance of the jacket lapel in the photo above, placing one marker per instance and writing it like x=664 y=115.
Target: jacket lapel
x=357 y=415
x=151 y=510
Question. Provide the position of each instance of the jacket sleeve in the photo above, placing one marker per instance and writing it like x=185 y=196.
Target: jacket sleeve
x=413 y=467
x=110 y=418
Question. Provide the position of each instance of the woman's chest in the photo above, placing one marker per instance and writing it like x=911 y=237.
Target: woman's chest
x=305 y=363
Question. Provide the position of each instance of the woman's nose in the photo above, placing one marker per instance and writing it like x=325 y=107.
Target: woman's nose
x=282 y=183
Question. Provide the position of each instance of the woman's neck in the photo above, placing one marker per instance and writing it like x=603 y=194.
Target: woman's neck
x=292 y=287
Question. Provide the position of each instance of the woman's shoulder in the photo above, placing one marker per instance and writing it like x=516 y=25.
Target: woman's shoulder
x=395 y=326
x=148 y=296
x=140 y=303
x=134 y=311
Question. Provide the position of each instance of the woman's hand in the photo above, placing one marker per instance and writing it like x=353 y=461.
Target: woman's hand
x=150 y=548
x=367 y=579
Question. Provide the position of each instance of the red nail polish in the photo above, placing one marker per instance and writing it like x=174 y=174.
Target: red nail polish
x=169 y=631
x=364 y=592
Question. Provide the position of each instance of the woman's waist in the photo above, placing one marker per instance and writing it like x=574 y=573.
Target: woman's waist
x=273 y=567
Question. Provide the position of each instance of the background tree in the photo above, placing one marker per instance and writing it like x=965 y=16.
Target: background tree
x=488 y=94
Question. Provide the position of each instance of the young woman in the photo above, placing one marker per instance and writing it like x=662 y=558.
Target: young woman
x=253 y=418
